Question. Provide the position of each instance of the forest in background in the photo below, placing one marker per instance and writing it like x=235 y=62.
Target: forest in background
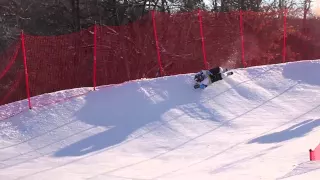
x=56 y=17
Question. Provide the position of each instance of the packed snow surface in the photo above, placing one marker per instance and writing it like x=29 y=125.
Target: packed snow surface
x=257 y=124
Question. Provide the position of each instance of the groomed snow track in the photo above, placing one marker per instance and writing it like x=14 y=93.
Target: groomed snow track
x=258 y=124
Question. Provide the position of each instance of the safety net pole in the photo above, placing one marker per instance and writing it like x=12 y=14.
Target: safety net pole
x=202 y=39
x=157 y=43
x=242 y=40
x=95 y=58
x=25 y=68
x=284 y=35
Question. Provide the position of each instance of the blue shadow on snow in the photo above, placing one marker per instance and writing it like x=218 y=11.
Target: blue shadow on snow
x=295 y=131
x=128 y=107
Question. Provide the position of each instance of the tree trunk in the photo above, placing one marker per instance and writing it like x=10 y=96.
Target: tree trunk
x=76 y=14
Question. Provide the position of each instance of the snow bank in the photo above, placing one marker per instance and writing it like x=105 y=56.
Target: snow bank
x=258 y=124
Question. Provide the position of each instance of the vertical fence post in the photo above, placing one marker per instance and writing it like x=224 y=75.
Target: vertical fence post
x=25 y=67
x=157 y=43
x=202 y=39
x=242 y=40
x=284 y=35
x=95 y=57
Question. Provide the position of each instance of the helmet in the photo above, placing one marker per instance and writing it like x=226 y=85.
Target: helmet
x=199 y=77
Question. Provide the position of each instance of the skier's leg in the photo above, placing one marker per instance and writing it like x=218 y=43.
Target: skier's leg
x=221 y=70
x=220 y=76
x=215 y=70
x=216 y=77
x=226 y=74
x=218 y=70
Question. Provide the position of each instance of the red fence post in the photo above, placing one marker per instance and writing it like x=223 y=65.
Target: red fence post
x=284 y=35
x=242 y=40
x=25 y=67
x=157 y=43
x=95 y=57
x=202 y=39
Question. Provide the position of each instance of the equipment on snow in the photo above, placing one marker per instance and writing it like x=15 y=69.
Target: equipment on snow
x=206 y=77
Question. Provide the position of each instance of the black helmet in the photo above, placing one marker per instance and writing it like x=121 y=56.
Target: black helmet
x=199 y=77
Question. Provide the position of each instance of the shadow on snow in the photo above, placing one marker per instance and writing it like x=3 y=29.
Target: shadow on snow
x=124 y=109
x=295 y=131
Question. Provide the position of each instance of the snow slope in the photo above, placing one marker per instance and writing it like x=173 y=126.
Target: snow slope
x=258 y=124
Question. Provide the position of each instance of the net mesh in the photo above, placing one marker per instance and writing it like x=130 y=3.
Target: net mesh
x=129 y=52
x=263 y=37
x=12 y=84
x=303 y=38
x=222 y=39
x=126 y=52
x=179 y=42
x=59 y=62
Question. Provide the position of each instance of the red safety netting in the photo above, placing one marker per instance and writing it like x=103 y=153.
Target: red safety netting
x=12 y=84
x=156 y=44
x=179 y=42
x=303 y=37
x=263 y=37
x=222 y=39
x=57 y=63
x=126 y=52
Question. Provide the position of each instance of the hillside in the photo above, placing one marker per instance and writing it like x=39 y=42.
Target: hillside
x=258 y=124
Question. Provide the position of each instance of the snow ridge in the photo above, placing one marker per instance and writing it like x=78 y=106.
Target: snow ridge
x=257 y=124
